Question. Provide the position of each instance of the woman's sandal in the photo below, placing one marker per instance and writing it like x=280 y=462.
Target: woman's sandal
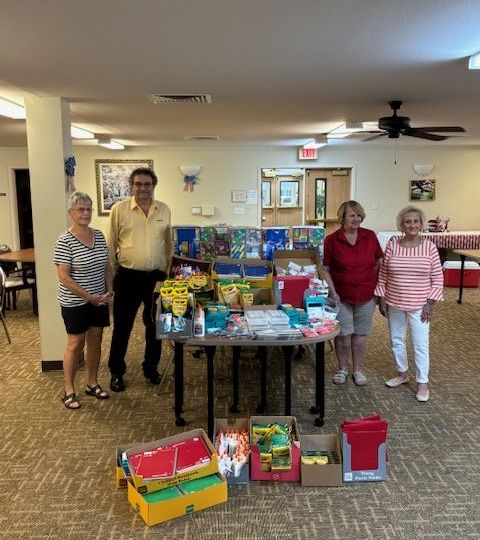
x=96 y=391
x=340 y=377
x=70 y=401
x=359 y=378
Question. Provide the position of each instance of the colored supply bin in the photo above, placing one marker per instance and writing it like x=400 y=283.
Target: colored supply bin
x=451 y=274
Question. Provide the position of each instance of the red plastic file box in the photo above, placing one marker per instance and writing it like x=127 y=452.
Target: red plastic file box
x=451 y=274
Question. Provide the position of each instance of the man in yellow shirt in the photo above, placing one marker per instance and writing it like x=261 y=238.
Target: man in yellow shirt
x=141 y=252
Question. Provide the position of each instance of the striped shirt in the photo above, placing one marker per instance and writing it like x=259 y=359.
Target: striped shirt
x=409 y=276
x=87 y=266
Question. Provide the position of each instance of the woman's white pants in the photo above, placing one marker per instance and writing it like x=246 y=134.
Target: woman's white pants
x=397 y=322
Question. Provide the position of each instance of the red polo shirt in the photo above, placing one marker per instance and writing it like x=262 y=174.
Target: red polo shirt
x=353 y=268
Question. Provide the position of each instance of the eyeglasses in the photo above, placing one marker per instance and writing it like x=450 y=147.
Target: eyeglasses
x=143 y=184
x=83 y=209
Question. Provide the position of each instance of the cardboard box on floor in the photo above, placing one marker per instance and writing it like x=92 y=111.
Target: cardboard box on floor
x=322 y=475
x=222 y=424
x=256 y=473
x=370 y=475
x=154 y=513
x=120 y=478
x=198 y=472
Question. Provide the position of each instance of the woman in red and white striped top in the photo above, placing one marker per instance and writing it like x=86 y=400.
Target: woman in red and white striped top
x=409 y=283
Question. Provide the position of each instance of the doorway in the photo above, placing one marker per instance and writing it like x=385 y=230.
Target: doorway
x=326 y=189
x=24 y=208
x=282 y=197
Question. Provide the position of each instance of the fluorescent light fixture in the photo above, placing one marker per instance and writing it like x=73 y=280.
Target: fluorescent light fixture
x=12 y=110
x=80 y=133
x=314 y=144
x=111 y=144
x=474 y=61
x=346 y=129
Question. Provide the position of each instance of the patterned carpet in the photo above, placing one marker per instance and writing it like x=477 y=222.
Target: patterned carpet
x=58 y=465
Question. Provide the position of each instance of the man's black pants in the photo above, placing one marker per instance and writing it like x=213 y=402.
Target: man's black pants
x=133 y=288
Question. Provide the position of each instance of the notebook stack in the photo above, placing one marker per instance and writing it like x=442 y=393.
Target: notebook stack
x=173 y=477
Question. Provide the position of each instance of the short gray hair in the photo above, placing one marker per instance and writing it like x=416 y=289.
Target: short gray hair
x=76 y=197
x=410 y=210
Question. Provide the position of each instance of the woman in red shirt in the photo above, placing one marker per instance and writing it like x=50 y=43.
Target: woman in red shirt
x=351 y=257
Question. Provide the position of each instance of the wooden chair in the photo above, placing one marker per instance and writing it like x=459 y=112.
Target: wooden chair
x=2 y=302
x=18 y=279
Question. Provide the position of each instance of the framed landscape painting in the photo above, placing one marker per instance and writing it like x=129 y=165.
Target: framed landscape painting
x=112 y=180
x=423 y=190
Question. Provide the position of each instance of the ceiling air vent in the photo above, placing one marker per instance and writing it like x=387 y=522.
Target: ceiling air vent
x=180 y=98
x=202 y=138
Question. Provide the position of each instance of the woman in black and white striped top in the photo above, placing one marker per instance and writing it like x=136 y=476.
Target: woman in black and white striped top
x=84 y=290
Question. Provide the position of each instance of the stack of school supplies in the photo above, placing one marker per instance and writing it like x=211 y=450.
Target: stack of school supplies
x=173 y=477
x=364 y=449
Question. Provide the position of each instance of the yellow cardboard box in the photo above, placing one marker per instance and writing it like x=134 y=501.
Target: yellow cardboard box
x=155 y=485
x=154 y=513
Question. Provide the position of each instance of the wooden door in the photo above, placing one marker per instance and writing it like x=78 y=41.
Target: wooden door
x=326 y=189
x=282 y=197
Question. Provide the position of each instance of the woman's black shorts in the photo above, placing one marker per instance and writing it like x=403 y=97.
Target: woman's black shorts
x=78 y=319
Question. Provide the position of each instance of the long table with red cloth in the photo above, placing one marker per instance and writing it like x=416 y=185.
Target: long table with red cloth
x=443 y=240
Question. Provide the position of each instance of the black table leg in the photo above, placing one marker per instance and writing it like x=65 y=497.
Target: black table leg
x=460 y=290
x=262 y=355
x=178 y=358
x=319 y=384
x=287 y=354
x=210 y=385
x=235 y=360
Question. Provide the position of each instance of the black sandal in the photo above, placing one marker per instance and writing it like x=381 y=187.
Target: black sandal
x=96 y=391
x=70 y=401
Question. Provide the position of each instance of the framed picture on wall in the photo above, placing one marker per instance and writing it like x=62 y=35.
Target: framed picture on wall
x=112 y=180
x=423 y=190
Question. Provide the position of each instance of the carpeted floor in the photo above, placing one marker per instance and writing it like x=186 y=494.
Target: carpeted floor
x=58 y=465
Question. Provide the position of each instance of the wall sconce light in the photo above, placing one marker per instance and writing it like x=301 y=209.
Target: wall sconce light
x=423 y=169
x=190 y=170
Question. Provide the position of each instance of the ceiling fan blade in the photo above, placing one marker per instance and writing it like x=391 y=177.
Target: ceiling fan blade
x=375 y=137
x=442 y=129
x=422 y=135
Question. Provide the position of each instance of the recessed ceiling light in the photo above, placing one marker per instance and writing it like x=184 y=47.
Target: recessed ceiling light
x=474 y=61
x=314 y=144
x=81 y=133
x=12 y=110
x=111 y=144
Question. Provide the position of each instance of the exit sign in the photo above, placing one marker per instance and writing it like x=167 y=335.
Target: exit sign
x=307 y=153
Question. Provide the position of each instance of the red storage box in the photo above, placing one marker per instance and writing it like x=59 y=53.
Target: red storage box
x=290 y=289
x=451 y=274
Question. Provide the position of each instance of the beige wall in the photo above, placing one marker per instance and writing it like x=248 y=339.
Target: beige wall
x=379 y=184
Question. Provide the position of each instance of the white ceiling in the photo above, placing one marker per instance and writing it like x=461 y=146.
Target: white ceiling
x=279 y=71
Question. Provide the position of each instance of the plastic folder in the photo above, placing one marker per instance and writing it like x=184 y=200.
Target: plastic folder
x=365 y=435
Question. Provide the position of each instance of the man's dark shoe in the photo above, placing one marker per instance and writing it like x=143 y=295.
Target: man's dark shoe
x=117 y=384
x=153 y=377
x=151 y=374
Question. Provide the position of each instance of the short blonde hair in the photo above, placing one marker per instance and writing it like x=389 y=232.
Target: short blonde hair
x=76 y=197
x=354 y=205
x=409 y=210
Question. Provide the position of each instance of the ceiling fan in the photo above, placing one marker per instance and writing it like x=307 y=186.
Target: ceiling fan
x=394 y=126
